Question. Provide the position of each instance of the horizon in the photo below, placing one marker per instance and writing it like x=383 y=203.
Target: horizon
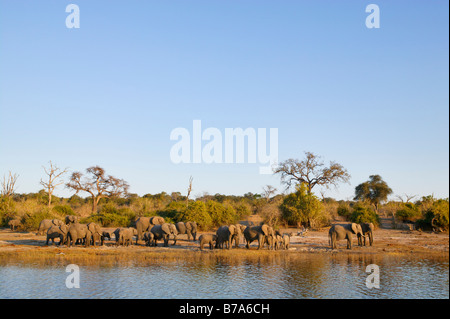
x=111 y=92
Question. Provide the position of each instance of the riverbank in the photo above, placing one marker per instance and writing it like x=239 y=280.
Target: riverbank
x=28 y=247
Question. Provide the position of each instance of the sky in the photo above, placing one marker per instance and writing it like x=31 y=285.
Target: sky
x=110 y=92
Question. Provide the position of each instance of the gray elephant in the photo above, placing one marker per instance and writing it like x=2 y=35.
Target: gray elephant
x=278 y=240
x=78 y=232
x=71 y=219
x=344 y=232
x=163 y=232
x=105 y=235
x=157 y=220
x=239 y=233
x=226 y=235
x=286 y=240
x=14 y=223
x=206 y=239
x=57 y=232
x=189 y=228
x=45 y=224
x=148 y=238
x=96 y=232
x=367 y=230
x=259 y=233
x=125 y=236
x=142 y=225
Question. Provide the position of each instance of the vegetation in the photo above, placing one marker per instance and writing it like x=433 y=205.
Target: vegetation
x=110 y=205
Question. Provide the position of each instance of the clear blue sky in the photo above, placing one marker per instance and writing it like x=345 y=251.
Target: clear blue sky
x=109 y=93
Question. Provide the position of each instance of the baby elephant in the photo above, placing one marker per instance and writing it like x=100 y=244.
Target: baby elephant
x=14 y=223
x=207 y=239
x=149 y=238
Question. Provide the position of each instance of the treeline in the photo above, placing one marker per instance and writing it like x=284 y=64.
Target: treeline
x=300 y=208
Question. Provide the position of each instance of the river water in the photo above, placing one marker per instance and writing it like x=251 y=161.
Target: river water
x=277 y=277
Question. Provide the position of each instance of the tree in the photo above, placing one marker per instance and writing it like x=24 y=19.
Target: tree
x=9 y=184
x=98 y=185
x=302 y=207
x=189 y=190
x=311 y=172
x=268 y=192
x=53 y=173
x=375 y=190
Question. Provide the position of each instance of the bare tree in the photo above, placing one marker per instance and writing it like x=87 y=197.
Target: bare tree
x=9 y=184
x=312 y=172
x=268 y=192
x=189 y=190
x=98 y=185
x=54 y=174
x=407 y=199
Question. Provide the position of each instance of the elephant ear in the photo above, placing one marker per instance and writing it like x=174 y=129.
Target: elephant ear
x=165 y=228
x=265 y=230
x=232 y=229
x=174 y=229
x=354 y=228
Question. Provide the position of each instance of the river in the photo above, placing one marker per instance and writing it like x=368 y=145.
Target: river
x=278 y=277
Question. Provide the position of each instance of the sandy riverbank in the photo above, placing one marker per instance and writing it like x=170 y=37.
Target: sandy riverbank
x=28 y=247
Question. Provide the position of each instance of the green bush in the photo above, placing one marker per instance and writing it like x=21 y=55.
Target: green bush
x=32 y=221
x=220 y=214
x=63 y=210
x=409 y=212
x=344 y=210
x=174 y=211
x=364 y=214
x=303 y=208
x=196 y=212
x=7 y=210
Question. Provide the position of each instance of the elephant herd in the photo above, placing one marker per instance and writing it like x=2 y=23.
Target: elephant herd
x=154 y=229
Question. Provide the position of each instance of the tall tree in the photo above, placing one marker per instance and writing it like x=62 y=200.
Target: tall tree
x=311 y=171
x=98 y=185
x=375 y=190
x=54 y=174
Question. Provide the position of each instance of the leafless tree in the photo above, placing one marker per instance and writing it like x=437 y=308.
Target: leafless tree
x=407 y=199
x=54 y=174
x=189 y=190
x=9 y=184
x=312 y=172
x=98 y=185
x=268 y=192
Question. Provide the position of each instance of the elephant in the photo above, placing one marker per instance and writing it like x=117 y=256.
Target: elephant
x=45 y=224
x=237 y=237
x=367 y=230
x=226 y=235
x=189 y=228
x=105 y=234
x=14 y=223
x=163 y=232
x=260 y=233
x=148 y=238
x=207 y=239
x=157 y=220
x=344 y=231
x=125 y=236
x=71 y=219
x=278 y=240
x=57 y=232
x=96 y=232
x=142 y=225
x=78 y=232
x=286 y=240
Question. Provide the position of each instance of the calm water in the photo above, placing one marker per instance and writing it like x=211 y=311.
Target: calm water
x=285 y=276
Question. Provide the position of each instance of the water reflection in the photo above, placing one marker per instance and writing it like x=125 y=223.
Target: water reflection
x=210 y=276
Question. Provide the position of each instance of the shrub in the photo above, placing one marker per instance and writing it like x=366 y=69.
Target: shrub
x=32 y=221
x=196 y=212
x=220 y=214
x=409 y=212
x=63 y=210
x=344 y=210
x=304 y=208
x=364 y=214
